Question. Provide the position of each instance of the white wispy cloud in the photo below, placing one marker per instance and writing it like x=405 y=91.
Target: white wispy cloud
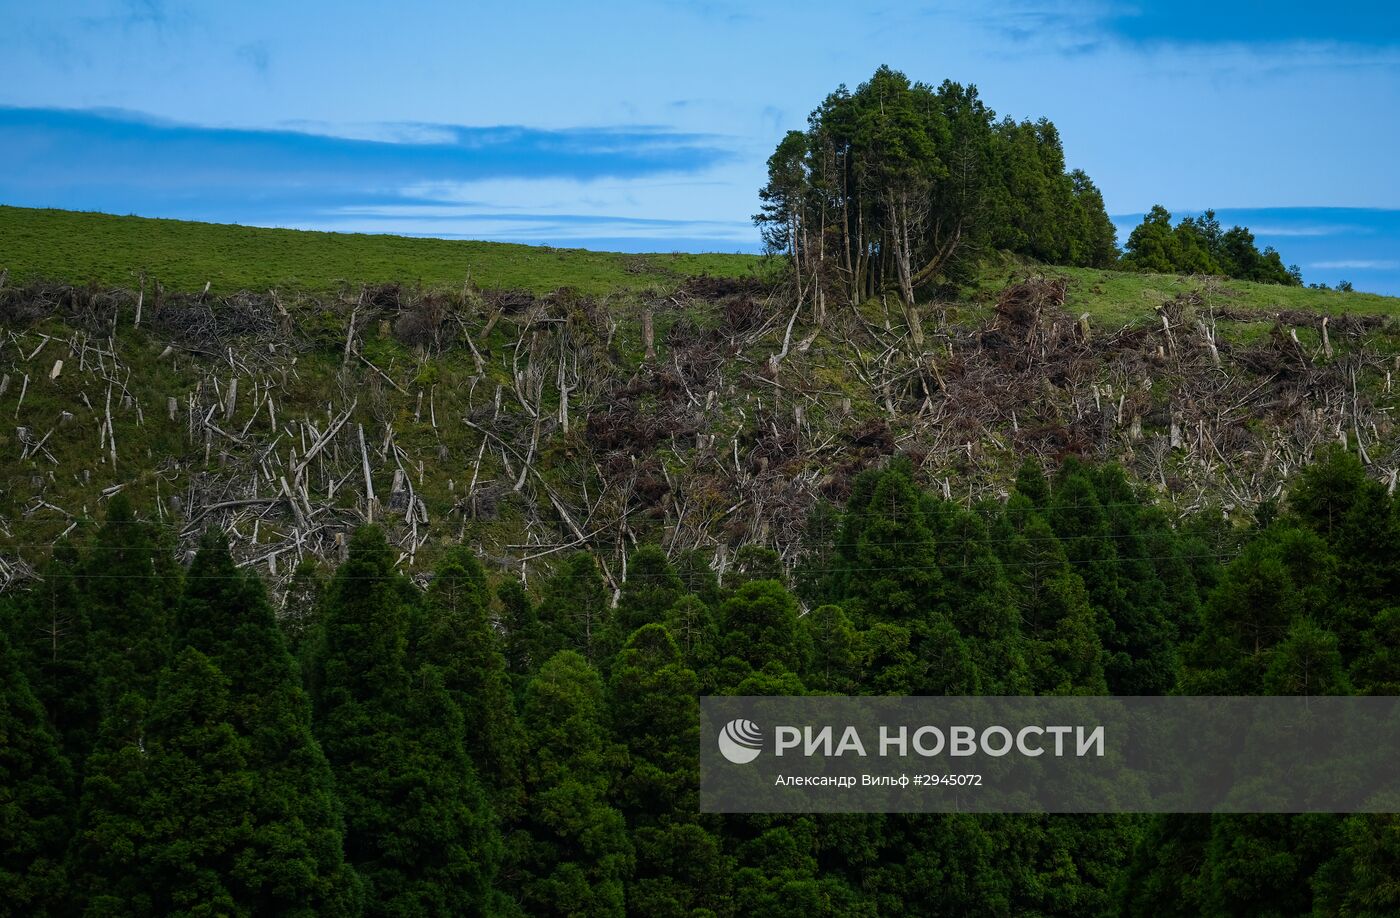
x=703 y=197
x=1268 y=230
x=558 y=210
x=381 y=132
x=1358 y=264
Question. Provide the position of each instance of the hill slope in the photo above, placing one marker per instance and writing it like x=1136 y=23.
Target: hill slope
x=115 y=251
x=703 y=411
x=107 y=250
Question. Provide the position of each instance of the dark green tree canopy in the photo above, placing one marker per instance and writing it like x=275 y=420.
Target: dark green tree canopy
x=447 y=762
x=1198 y=245
x=35 y=797
x=904 y=184
x=419 y=828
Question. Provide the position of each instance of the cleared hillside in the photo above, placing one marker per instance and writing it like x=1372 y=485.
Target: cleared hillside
x=527 y=419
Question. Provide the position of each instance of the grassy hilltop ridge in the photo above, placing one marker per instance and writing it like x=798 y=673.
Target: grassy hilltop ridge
x=183 y=255
x=508 y=396
x=109 y=250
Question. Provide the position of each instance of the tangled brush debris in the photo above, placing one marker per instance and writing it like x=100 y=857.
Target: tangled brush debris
x=532 y=425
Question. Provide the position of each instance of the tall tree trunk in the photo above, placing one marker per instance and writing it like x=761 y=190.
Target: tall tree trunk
x=819 y=272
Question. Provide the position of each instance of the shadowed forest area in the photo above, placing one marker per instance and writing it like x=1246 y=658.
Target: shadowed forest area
x=175 y=743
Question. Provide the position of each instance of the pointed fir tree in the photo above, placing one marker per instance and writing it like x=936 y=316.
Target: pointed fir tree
x=35 y=799
x=652 y=697
x=976 y=596
x=698 y=578
x=293 y=861
x=652 y=587
x=198 y=807
x=835 y=653
x=574 y=611
x=572 y=847
x=692 y=625
x=128 y=594
x=461 y=642
x=301 y=606
x=1363 y=878
x=1285 y=574
x=655 y=713
x=760 y=625
x=896 y=581
x=1146 y=628
x=418 y=828
x=524 y=637
x=105 y=858
x=1061 y=628
x=51 y=634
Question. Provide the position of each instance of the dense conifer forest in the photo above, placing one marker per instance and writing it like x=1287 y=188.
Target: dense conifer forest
x=175 y=744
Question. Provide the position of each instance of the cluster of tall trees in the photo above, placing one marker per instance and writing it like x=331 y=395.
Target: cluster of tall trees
x=899 y=185
x=1200 y=245
x=903 y=185
x=172 y=745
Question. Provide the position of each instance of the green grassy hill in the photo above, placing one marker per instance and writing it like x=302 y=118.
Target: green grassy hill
x=115 y=251
x=1120 y=297
x=484 y=403
x=82 y=248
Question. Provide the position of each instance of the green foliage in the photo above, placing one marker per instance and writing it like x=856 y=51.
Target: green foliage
x=692 y=625
x=1263 y=865
x=524 y=636
x=35 y=795
x=107 y=250
x=1283 y=619
x=292 y=858
x=572 y=843
x=195 y=812
x=1198 y=245
x=1306 y=662
x=1100 y=523
x=835 y=651
x=976 y=597
x=301 y=605
x=650 y=590
x=479 y=773
x=759 y=622
x=890 y=567
x=902 y=184
x=218 y=797
x=1362 y=879
x=1359 y=519
x=1283 y=576
x=652 y=695
x=111 y=832
x=418 y=827
x=169 y=805
x=54 y=642
x=1062 y=629
x=574 y=611
x=460 y=641
x=888 y=572
x=1162 y=875
x=127 y=601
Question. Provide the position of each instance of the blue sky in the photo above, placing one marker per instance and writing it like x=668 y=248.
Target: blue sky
x=645 y=126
